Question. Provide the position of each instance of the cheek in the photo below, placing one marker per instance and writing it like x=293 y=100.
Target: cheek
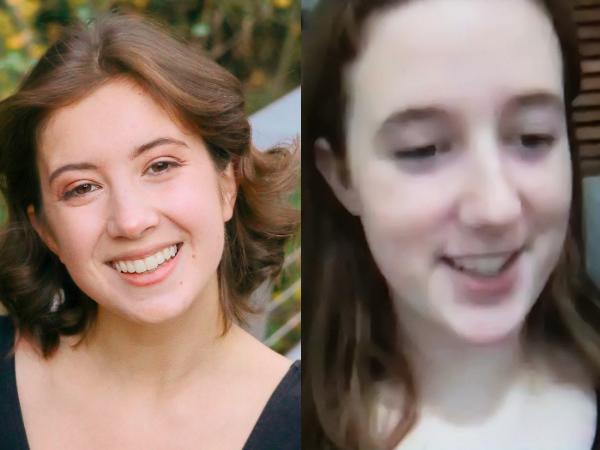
x=549 y=195
x=194 y=204
x=548 y=191
x=194 y=195
x=76 y=232
x=403 y=217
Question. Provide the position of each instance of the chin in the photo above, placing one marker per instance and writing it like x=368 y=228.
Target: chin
x=487 y=328
x=489 y=335
x=156 y=311
x=488 y=321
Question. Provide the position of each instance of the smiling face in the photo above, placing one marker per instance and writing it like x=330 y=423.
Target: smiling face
x=459 y=160
x=132 y=204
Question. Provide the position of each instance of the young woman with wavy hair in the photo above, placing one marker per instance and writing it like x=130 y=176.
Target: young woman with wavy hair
x=445 y=302
x=140 y=220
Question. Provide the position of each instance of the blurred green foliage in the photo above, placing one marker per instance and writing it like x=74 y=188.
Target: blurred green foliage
x=257 y=40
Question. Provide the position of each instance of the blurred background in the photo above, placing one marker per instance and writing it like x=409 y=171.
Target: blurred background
x=257 y=40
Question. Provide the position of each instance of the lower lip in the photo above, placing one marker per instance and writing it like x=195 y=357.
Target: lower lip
x=483 y=288
x=150 y=278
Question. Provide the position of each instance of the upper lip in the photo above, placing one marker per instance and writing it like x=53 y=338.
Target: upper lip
x=141 y=254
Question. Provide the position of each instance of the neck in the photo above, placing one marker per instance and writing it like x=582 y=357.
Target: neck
x=157 y=356
x=460 y=381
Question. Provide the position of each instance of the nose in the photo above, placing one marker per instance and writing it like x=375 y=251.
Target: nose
x=492 y=199
x=131 y=214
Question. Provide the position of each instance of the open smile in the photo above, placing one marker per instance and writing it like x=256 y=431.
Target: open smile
x=485 y=266
x=149 y=263
x=485 y=276
x=151 y=269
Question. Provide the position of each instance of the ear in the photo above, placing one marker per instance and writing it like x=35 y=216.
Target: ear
x=334 y=170
x=41 y=228
x=228 y=186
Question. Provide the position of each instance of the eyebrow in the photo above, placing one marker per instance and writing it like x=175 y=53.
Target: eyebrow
x=403 y=117
x=536 y=99
x=435 y=113
x=136 y=152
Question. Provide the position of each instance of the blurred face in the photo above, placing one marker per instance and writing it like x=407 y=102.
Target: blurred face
x=132 y=204
x=459 y=160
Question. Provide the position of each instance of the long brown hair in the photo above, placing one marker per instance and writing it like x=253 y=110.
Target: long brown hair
x=352 y=336
x=203 y=97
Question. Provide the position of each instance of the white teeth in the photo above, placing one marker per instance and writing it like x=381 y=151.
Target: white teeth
x=140 y=266
x=160 y=258
x=147 y=264
x=481 y=265
x=151 y=262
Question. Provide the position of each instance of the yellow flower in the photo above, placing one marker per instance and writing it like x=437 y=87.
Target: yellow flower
x=140 y=4
x=282 y=4
x=26 y=9
x=6 y=26
x=257 y=78
x=29 y=9
x=53 y=31
x=37 y=50
x=16 y=41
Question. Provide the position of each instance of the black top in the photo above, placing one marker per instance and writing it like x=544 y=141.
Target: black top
x=278 y=426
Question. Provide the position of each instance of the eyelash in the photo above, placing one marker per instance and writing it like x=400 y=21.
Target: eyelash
x=537 y=142
x=540 y=142
x=421 y=153
x=73 y=193
x=169 y=165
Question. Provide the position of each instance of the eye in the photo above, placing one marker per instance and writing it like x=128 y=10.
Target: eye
x=416 y=153
x=160 y=167
x=422 y=154
x=80 y=190
x=536 y=141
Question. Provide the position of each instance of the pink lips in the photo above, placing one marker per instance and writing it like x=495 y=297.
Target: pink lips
x=154 y=277
x=478 y=288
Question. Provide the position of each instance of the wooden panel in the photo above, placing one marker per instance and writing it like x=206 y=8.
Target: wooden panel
x=585 y=16
x=590 y=167
x=588 y=134
x=589 y=151
x=591 y=116
x=590 y=49
x=587 y=105
x=591 y=66
x=587 y=100
x=588 y=32
x=590 y=84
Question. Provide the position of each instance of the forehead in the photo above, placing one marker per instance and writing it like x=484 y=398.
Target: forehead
x=117 y=116
x=459 y=53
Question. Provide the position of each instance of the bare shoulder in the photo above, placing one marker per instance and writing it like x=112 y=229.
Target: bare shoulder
x=258 y=361
x=29 y=358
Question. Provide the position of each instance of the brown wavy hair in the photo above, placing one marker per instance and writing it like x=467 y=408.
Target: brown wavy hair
x=352 y=335
x=35 y=287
